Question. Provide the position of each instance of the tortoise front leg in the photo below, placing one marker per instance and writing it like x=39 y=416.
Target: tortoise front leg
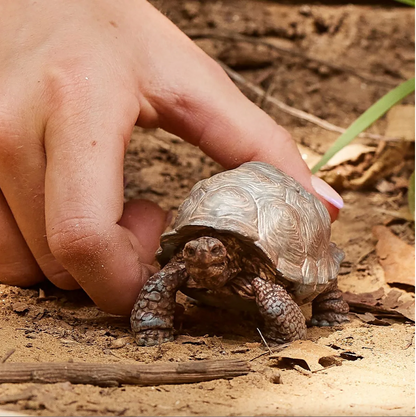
x=153 y=313
x=328 y=308
x=284 y=321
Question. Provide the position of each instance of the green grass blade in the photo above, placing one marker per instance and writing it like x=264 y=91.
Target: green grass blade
x=411 y=194
x=367 y=119
x=408 y=2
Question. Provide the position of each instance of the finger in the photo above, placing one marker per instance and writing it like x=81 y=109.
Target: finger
x=232 y=130
x=197 y=101
x=147 y=221
x=17 y=264
x=84 y=193
x=22 y=182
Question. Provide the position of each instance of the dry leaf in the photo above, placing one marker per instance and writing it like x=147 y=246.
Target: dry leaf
x=401 y=122
x=349 y=153
x=366 y=298
x=382 y=165
x=307 y=351
x=395 y=256
x=369 y=318
x=392 y=299
x=375 y=304
x=407 y=309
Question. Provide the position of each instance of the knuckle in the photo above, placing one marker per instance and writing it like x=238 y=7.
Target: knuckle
x=67 y=83
x=75 y=240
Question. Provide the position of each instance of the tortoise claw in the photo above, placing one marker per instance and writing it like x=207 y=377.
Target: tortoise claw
x=334 y=319
x=154 y=337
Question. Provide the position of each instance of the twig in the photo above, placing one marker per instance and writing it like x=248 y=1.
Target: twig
x=197 y=34
x=271 y=351
x=267 y=94
x=300 y=114
x=7 y=355
x=409 y=343
x=259 y=356
x=264 y=341
x=302 y=370
x=117 y=374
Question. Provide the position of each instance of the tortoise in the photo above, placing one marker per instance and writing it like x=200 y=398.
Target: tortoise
x=247 y=237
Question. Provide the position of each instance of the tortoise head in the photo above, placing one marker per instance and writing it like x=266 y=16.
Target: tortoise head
x=206 y=262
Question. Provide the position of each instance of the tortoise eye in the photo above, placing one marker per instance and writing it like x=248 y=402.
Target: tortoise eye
x=216 y=250
x=190 y=251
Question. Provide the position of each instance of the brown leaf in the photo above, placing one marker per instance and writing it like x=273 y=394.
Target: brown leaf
x=407 y=309
x=392 y=298
x=377 y=305
x=383 y=164
x=367 y=298
x=369 y=318
x=306 y=351
x=395 y=256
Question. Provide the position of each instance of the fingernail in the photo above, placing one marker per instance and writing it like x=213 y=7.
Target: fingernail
x=327 y=192
x=168 y=218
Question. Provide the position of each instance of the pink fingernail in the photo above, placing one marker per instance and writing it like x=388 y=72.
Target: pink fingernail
x=327 y=192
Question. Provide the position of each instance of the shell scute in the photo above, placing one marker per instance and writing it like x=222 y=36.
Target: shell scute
x=270 y=210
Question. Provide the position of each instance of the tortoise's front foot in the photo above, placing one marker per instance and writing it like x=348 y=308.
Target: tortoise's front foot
x=152 y=337
x=329 y=309
x=284 y=321
x=153 y=313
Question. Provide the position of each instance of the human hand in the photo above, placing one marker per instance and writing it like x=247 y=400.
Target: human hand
x=75 y=77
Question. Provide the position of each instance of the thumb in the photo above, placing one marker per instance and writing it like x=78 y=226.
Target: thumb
x=147 y=221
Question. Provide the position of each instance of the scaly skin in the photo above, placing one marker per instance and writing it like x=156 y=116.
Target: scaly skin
x=153 y=313
x=328 y=308
x=204 y=262
x=284 y=321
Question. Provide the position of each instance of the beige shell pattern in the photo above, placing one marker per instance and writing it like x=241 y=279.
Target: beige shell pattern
x=265 y=206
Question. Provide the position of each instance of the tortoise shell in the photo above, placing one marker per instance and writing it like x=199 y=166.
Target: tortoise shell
x=269 y=210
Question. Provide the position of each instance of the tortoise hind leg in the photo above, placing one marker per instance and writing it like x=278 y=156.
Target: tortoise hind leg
x=284 y=321
x=153 y=313
x=328 y=308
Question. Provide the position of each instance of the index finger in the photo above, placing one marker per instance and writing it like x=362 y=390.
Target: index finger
x=232 y=130
x=197 y=101
x=85 y=141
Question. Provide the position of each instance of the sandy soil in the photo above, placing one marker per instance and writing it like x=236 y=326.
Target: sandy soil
x=367 y=49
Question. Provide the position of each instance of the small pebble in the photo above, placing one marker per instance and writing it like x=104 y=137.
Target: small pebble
x=119 y=343
x=276 y=378
x=20 y=307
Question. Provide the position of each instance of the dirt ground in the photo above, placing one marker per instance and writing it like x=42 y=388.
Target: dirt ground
x=332 y=60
